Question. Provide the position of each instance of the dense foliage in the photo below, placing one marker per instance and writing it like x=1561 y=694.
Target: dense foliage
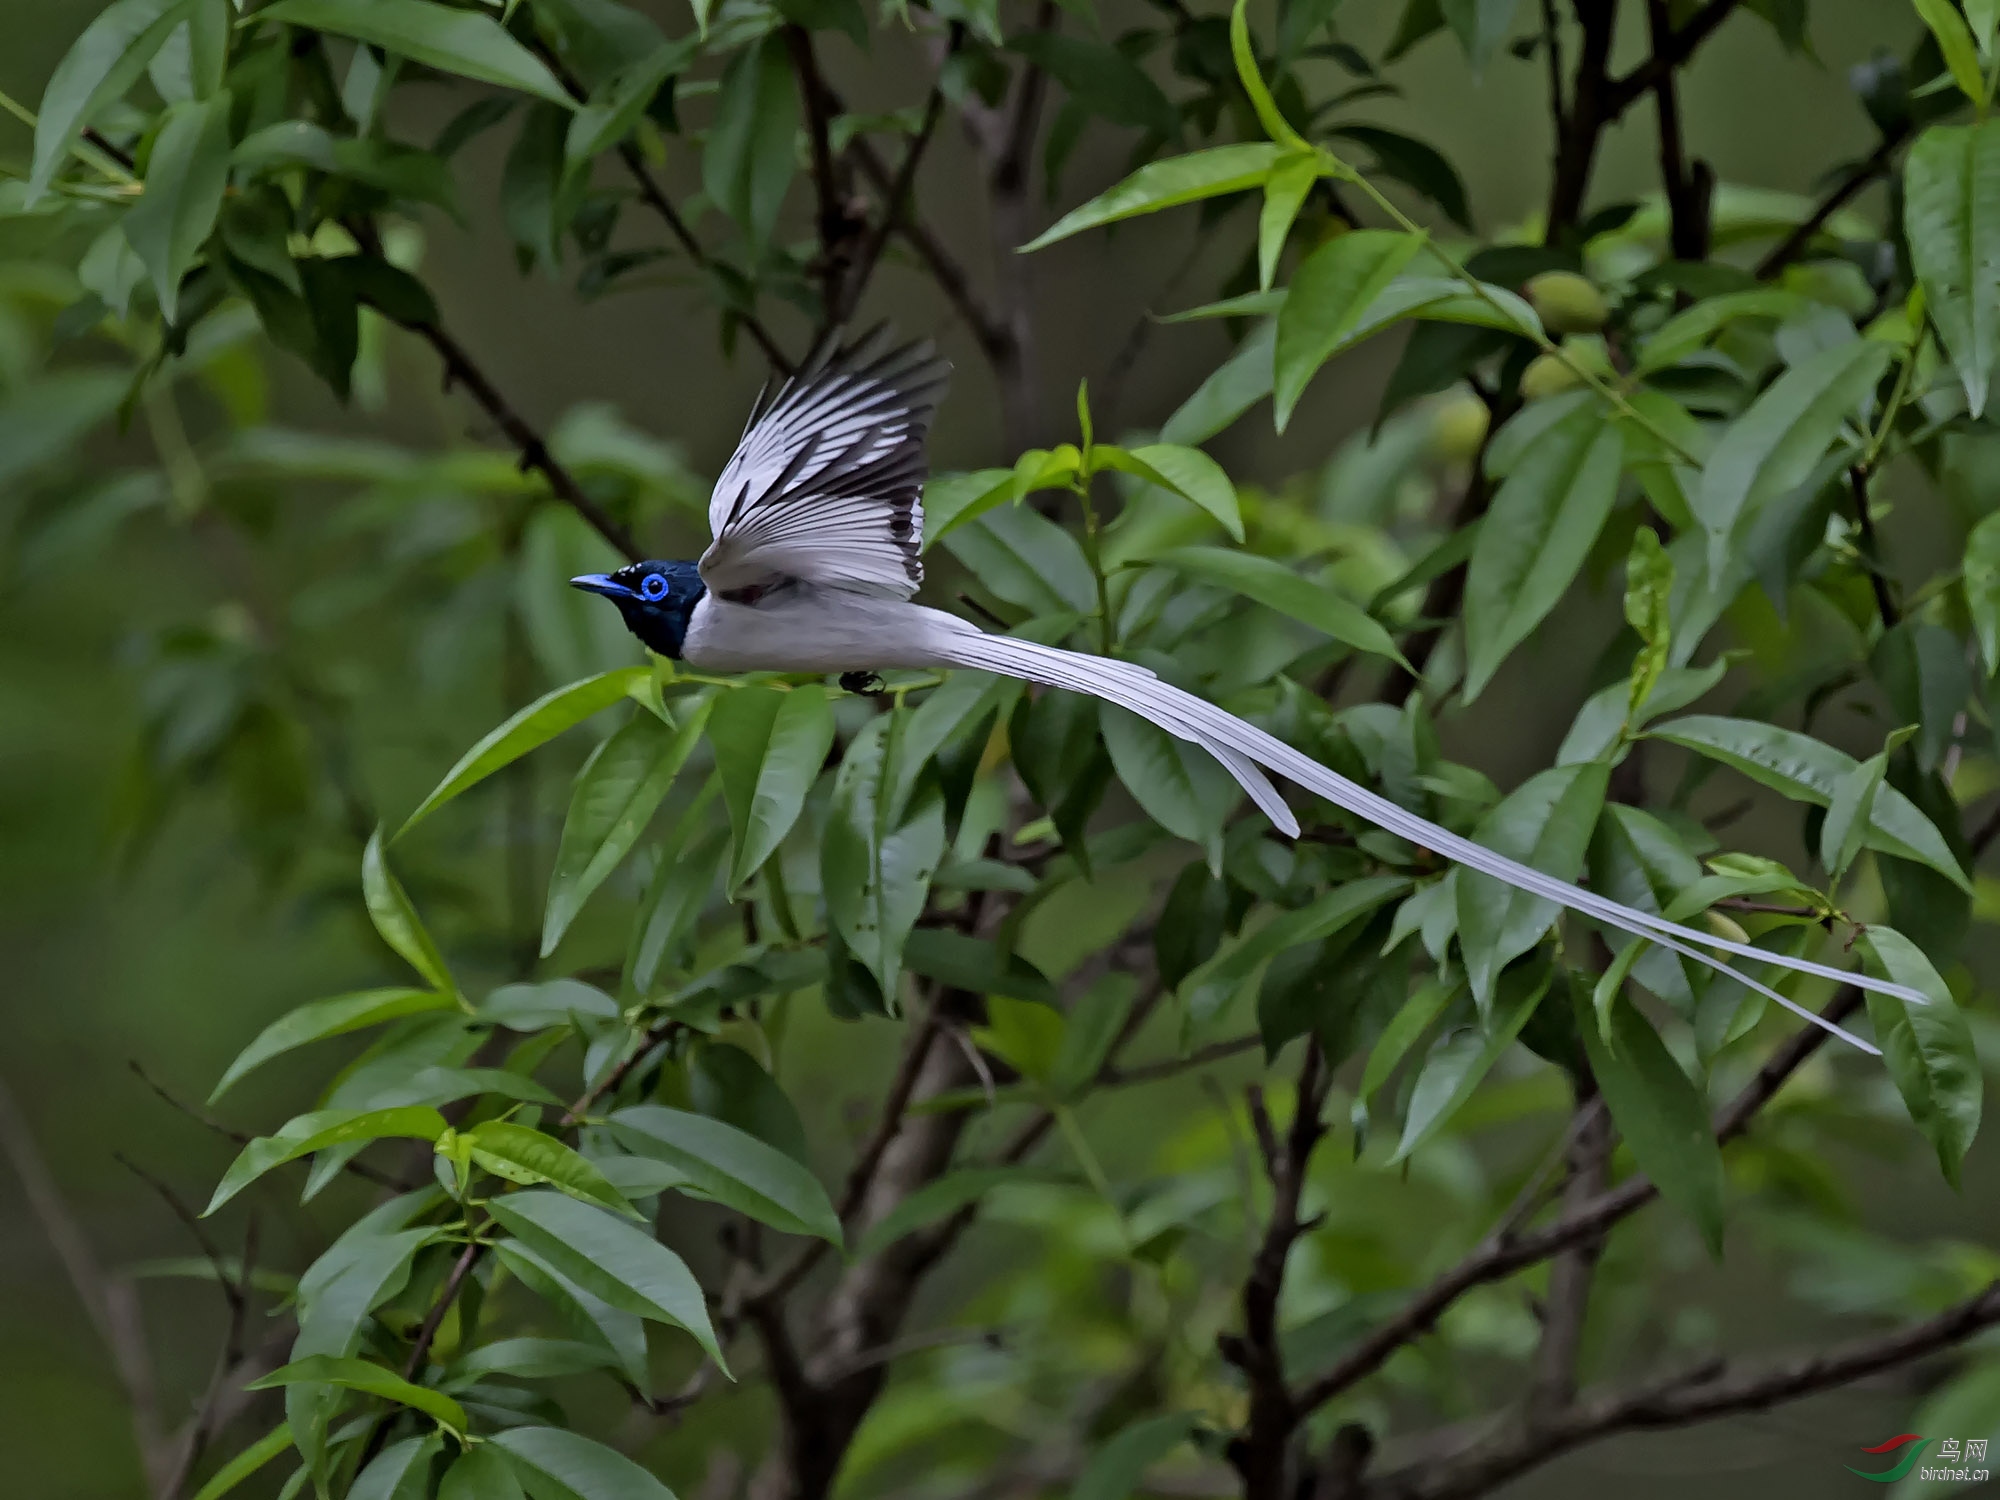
x=1749 y=414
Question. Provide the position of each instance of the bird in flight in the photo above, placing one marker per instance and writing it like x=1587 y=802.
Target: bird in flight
x=818 y=541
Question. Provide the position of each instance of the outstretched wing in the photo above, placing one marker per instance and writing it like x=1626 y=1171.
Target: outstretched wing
x=826 y=484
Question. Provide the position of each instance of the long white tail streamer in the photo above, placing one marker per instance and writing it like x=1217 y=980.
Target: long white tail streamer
x=1237 y=744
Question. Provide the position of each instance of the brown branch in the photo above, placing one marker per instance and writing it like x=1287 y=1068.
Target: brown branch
x=1702 y=1394
x=1622 y=92
x=534 y=453
x=1507 y=1251
x=213 y=1414
x=1687 y=189
x=896 y=203
x=1845 y=192
x=838 y=226
x=617 y=1076
x=1871 y=548
x=1259 y=1450
x=1566 y=1309
x=108 y=1302
x=1590 y=111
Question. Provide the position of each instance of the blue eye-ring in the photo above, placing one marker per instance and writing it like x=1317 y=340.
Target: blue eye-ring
x=655 y=586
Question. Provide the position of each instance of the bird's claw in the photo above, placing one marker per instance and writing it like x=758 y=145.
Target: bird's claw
x=867 y=684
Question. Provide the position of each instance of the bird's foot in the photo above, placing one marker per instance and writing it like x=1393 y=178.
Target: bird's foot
x=868 y=684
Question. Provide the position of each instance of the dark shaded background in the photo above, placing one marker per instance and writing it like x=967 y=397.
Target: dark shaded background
x=178 y=960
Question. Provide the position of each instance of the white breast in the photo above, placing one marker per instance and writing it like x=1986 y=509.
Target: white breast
x=807 y=629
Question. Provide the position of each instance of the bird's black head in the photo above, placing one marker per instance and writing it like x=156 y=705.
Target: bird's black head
x=656 y=599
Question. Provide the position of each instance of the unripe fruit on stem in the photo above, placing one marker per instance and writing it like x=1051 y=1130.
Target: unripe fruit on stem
x=1725 y=927
x=1547 y=376
x=1458 y=427
x=1567 y=303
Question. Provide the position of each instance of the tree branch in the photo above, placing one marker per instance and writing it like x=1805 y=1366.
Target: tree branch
x=896 y=199
x=1259 y=1450
x=1845 y=192
x=1566 y=1309
x=838 y=227
x=1687 y=188
x=1621 y=93
x=1507 y=1251
x=1590 y=111
x=1698 y=1395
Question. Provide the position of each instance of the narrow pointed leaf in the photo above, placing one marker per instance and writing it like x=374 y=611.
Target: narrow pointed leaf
x=246 y=1463
x=616 y=795
x=334 y=1016
x=373 y=1380
x=1275 y=586
x=521 y=1154
x=557 y=1464
x=317 y=1131
x=610 y=1257
x=185 y=179
x=1284 y=192
x=731 y=1166
x=1951 y=214
x=1329 y=295
x=1167 y=184
x=1928 y=1049
x=769 y=747
x=471 y=44
x=396 y=919
x=99 y=67
x=1459 y=1061
x=1541 y=527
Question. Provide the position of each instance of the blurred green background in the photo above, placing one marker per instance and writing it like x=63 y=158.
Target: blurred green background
x=174 y=956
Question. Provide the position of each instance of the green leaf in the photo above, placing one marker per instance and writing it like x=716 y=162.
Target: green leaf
x=769 y=747
x=99 y=67
x=315 y=1132
x=747 y=164
x=1951 y=216
x=1481 y=26
x=1415 y=163
x=617 y=792
x=1100 y=79
x=877 y=859
x=469 y=43
x=1961 y=53
x=1545 y=823
x=1416 y=1016
x=1238 y=384
x=400 y=1471
x=619 y=1335
x=1540 y=528
x=673 y=905
x=1848 y=810
x=480 y=1473
x=1608 y=712
x=246 y=1463
x=1330 y=292
x=726 y=1083
x=1982 y=588
x=1114 y=1470
x=731 y=1166
x=616 y=105
x=396 y=919
x=553 y=1002
x=534 y=726
x=1928 y=1048
x=527 y=1358
x=1207 y=992
x=1660 y=1113
x=938 y=1199
x=1168 y=184
x=1285 y=191
x=1187 y=472
x=334 y=1016
x=359 y=1375
x=557 y=1464
x=185 y=179
x=1807 y=770
x=611 y=1258
x=1027 y=560
x=1774 y=447
x=1270 y=583
x=975 y=964
x=520 y=1154
x=1276 y=126
x=1179 y=784
x=1460 y=1060
x=1649 y=590
x=950 y=500
x=1686 y=332
x=539 y=194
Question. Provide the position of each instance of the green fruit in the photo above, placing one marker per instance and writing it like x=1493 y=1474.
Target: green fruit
x=1568 y=303
x=1458 y=427
x=1547 y=376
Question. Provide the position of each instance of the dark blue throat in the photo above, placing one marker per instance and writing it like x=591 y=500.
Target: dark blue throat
x=656 y=599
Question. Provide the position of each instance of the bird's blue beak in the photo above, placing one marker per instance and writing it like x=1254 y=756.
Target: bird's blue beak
x=600 y=583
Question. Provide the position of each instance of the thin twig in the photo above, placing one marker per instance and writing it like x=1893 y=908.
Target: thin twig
x=1845 y=192
x=896 y=203
x=207 y=1121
